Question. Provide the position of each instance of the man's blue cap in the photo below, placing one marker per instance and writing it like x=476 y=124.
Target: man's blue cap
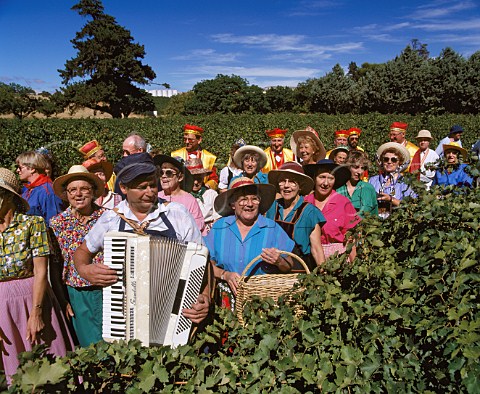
x=456 y=128
x=132 y=166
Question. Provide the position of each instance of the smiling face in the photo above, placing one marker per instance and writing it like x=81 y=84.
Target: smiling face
x=340 y=157
x=142 y=193
x=80 y=194
x=192 y=142
x=250 y=165
x=305 y=152
x=289 y=189
x=170 y=178
x=276 y=144
x=324 y=182
x=397 y=136
x=356 y=171
x=390 y=161
x=451 y=156
x=246 y=207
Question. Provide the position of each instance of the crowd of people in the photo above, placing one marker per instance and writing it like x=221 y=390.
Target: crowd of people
x=303 y=200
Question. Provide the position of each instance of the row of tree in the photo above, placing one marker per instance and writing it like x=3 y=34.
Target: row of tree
x=107 y=73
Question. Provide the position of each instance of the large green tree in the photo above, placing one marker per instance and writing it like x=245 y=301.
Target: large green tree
x=18 y=100
x=107 y=70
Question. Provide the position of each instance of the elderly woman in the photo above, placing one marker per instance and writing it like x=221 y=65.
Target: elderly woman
x=362 y=194
x=243 y=234
x=81 y=301
x=339 y=212
x=104 y=170
x=339 y=155
x=393 y=158
x=251 y=159
x=301 y=221
x=230 y=170
x=205 y=196
x=32 y=171
x=307 y=146
x=453 y=171
x=177 y=182
x=30 y=313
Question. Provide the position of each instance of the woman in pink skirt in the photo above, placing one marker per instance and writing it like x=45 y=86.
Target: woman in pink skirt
x=29 y=312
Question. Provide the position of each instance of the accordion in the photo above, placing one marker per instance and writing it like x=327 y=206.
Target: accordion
x=158 y=277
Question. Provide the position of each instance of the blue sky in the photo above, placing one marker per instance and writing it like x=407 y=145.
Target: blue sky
x=268 y=42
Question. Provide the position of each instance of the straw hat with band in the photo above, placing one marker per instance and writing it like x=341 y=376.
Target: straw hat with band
x=394 y=145
x=338 y=149
x=293 y=171
x=340 y=172
x=308 y=132
x=92 y=164
x=8 y=181
x=458 y=148
x=76 y=173
x=249 y=149
x=195 y=166
x=245 y=185
x=424 y=135
x=187 y=181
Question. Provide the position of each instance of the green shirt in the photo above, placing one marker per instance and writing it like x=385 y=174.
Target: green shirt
x=25 y=238
x=364 y=198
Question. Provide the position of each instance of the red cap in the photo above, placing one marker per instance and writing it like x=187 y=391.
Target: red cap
x=341 y=133
x=89 y=148
x=398 y=126
x=276 y=133
x=192 y=129
x=354 y=131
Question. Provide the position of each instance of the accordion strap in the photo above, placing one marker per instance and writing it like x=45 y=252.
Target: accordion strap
x=137 y=228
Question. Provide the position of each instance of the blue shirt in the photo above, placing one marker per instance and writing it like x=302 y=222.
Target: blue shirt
x=43 y=201
x=457 y=178
x=259 y=177
x=310 y=217
x=233 y=254
x=400 y=189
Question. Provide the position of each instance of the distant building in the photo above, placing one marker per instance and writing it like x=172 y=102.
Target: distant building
x=163 y=92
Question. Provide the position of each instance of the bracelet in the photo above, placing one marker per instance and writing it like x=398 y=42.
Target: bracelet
x=38 y=306
x=222 y=275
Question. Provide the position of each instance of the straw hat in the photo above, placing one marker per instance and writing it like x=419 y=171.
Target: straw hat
x=424 y=134
x=458 y=148
x=249 y=149
x=264 y=190
x=308 y=132
x=187 y=182
x=340 y=172
x=394 y=145
x=77 y=172
x=195 y=166
x=10 y=182
x=295 y=172
x=92 y=164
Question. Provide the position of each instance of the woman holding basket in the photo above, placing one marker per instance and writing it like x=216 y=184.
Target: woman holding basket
x=243 y=234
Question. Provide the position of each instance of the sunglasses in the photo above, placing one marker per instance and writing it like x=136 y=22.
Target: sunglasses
x=392 y=159
x=168 y=173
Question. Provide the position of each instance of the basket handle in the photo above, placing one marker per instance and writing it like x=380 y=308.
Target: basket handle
x=299 y=259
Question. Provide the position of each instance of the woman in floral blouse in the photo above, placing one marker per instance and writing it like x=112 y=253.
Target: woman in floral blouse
x=29 y=312
x=81 y=301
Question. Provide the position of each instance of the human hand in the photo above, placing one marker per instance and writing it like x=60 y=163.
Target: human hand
x=271 y=256
x=69 y=311
x=232 y=279
x=199 y=310
x=35 y=326
x=98 y=274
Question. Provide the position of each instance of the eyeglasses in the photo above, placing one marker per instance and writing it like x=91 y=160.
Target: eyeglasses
x=82 y=190
x=168 y=173
x=245 y=200
x=392 y=159
x=186 y=139
x=353 y=138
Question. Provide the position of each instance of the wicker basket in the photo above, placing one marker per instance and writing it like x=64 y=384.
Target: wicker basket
x=268 y=285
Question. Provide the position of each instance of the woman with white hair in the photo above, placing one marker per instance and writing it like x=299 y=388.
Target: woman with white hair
x=251 y=159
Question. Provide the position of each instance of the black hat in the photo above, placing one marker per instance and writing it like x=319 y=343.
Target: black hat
x=340 y=172
x=179 y=163
x=132 y=166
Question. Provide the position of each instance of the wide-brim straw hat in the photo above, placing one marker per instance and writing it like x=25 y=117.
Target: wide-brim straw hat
x=456 y=147
x=195 y=166
x=308 y=132
x=92 y=164
x=394 y=145
x=337 y=150
x=10 y=182
x=249 y=149
x=266 y=192
x=77 y=172
x=294 y=171
x=424 y=134
x=340 y=172
x=187 y=182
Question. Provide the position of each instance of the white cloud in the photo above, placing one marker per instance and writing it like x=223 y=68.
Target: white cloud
x=209 y=55
x=435 y=10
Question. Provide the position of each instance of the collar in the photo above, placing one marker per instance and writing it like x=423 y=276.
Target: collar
x=124 y=208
